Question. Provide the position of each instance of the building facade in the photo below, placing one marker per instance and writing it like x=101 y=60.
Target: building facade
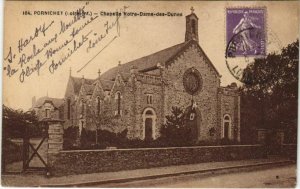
x=48 y=108
x=141 y=93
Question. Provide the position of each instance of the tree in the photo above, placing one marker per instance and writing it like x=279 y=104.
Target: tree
x=174 y=130
x=104 y=119
x=17 y=123
x=271 y=90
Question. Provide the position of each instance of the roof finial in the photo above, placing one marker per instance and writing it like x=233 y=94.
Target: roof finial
x=82 y=80
x=70 y=71
x=192 y=10
x=99 y=72
x=119 y=66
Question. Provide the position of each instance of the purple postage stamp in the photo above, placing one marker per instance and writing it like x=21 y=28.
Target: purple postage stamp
x=245 y=32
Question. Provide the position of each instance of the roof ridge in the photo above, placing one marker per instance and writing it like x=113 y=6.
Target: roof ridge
x=81 y=78
x=144 y=62
x=175 y=54
x=157 y=52
x=106 y=80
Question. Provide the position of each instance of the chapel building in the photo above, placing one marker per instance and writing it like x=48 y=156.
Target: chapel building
x=141 y=93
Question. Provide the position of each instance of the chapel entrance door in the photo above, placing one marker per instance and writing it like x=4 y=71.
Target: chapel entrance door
x=149 y=121
x=193 y=122
x=148 y=129
x=226 y=130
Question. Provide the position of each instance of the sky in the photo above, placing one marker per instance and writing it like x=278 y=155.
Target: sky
x=133 y=37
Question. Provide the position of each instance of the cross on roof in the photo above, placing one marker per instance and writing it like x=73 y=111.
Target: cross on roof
x=192 y=9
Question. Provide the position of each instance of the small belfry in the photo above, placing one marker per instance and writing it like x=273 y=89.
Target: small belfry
x=191 y=32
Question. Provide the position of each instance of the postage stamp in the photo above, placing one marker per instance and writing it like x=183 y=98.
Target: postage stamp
x=245 y=32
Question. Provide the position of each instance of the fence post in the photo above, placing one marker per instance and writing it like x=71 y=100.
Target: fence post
x=55 y=142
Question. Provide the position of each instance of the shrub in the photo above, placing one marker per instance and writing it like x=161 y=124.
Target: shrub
x=12 y=152
x=70 y=138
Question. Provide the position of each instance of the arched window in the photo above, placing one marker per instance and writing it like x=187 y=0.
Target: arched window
x=47 y=113
x=193 y=26
x=98 y=105
x=149 y=99
x=69 y=108
x=118 y=100
x=226 y=127
x=82 y=107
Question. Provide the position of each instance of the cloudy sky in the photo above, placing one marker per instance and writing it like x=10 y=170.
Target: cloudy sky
x=137 y=36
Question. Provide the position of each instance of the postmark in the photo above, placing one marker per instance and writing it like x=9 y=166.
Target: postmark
x=246 y=38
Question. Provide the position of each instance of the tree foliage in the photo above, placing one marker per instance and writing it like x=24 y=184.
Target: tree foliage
x=17 y=123
x=270 y=91
x=175 y=130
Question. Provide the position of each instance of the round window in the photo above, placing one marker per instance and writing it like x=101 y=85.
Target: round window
x=192 y=81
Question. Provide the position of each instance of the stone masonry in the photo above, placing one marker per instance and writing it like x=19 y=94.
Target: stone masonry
x=141 y=93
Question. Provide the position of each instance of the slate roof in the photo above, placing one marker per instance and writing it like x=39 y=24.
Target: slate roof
x=57 y=102
x=89 y=88
x=77 y=82
x=144 y=62
x=107 y=84
x=150 y=62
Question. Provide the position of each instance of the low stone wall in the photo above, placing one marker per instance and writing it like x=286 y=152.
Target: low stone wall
x=289 y=150
x=91 y=161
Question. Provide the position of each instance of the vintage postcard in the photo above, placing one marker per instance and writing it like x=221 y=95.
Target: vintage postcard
x=150 y=94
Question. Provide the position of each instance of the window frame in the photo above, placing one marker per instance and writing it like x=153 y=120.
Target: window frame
x=98 y=105
x=226 y=120
x=149 y=98
x=69 y=108
x=47 y=113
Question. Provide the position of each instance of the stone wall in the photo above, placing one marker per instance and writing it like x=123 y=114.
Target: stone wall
x=92 y=161
x=206 y=99
x=289 y=150
x=156 y=107
x=229 y=105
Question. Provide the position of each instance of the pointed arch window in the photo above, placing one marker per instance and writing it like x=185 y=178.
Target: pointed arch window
x=69 y=108
x=98 y=105
x=82 y=107
x=118 y=98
